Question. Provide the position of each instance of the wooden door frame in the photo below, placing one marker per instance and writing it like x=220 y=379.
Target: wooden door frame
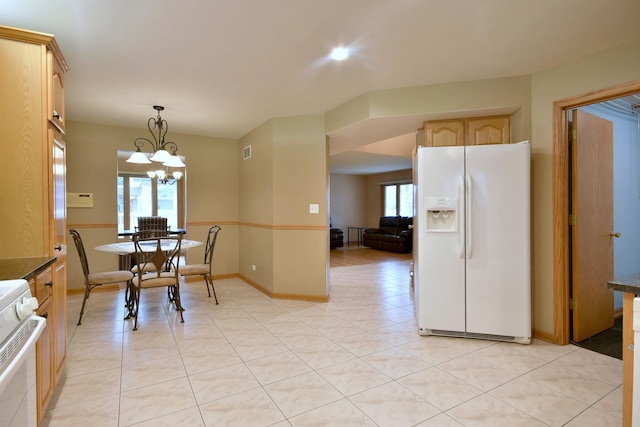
x=562 y=202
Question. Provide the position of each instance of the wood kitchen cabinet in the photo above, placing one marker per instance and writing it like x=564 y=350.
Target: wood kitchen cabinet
x=45 y=376
x=444 y=133
x=58 y=229
x=56 y=110
x=44 y=373
x=471 y=131
x=33 y=212
x=489 y=130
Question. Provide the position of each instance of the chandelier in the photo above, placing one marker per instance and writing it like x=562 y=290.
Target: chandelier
x=165 y=177
x=162 y=151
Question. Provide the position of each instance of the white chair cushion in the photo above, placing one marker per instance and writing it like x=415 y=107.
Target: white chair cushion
x=109 y=277
x=152 y=280
x=193 y=269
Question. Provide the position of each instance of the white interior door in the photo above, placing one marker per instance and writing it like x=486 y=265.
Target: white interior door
x=499 y=250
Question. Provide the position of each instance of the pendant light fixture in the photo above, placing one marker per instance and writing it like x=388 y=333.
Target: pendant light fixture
x=162 y=151
x=165 y=177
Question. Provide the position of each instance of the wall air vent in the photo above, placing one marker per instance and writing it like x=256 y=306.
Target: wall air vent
x=246 y=152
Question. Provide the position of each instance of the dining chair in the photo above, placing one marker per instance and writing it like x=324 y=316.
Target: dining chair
x=91 y=280
x=156 y=264
x=204 y=269
x=153 y=225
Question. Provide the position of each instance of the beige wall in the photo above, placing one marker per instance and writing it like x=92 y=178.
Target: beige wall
x=300 y=179
x=256 y=207
x=212 y=192
x=287 y=172
x=348 y=200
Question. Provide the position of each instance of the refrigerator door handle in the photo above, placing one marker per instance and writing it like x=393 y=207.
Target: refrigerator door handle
x=460 y=217
x=469 y=233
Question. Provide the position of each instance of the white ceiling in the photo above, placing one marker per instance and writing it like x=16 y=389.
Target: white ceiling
x=223 y=67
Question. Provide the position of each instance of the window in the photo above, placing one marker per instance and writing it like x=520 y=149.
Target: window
x=139 y=195
x=397 y=199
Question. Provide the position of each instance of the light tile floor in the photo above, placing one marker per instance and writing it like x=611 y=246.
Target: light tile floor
x=354 y=361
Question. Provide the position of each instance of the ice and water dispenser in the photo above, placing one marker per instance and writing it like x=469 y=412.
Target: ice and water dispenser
x=441 y=214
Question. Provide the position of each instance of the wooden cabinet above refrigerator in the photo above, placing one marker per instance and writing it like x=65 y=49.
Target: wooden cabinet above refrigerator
x=471 y=131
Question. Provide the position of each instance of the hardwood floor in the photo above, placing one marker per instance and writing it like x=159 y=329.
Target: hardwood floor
x=359 y=255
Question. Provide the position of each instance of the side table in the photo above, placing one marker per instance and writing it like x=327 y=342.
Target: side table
x=358 y=234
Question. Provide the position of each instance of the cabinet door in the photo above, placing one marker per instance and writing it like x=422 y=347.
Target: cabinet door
x=444 y=133
x=44 y=284
x=44 y=373
x=21 y=137
x=489 y=130
x=56 y=93
x=59 y=310
x=59 y=248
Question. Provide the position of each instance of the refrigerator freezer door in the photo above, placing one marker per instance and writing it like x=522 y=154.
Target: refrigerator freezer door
x=498 y=296
x=439 y=267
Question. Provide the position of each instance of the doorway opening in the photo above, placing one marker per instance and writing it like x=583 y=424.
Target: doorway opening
x=562 y=204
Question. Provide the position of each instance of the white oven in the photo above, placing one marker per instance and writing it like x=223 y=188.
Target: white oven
x=19 y=331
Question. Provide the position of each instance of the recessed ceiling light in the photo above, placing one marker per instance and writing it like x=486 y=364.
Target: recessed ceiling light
x=339 y=53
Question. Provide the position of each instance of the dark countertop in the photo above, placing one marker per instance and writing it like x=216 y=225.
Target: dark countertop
x=23 y=268
x=630 y=284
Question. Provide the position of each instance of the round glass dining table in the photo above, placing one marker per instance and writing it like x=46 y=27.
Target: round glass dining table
x=127 y=248
x=124 y=248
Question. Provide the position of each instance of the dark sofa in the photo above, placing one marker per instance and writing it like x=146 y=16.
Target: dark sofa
x=393 y=234
x=336 y=238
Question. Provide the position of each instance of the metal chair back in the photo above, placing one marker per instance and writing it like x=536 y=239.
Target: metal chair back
x=81 y=252
x=157 y=261
x=96 y=279
x=156 y=253
x=204 y=269
x=212 y=236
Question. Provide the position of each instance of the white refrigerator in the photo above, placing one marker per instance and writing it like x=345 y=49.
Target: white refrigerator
x=472 y=247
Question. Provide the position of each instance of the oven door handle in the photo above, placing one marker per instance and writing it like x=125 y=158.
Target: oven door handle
x=9 y=370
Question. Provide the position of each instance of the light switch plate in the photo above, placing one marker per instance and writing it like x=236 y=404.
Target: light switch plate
x=314 y=208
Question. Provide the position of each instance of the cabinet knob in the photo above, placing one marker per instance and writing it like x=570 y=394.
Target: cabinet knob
x=58 y=247
x=49 y=284
x=56 y=115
